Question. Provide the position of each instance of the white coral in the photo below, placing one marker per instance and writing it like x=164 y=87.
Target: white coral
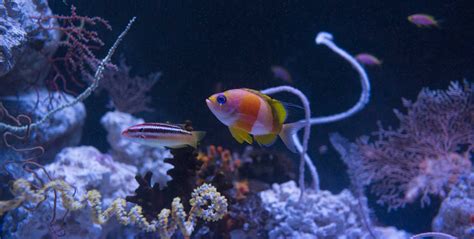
x=85 y=168
x=320 y=215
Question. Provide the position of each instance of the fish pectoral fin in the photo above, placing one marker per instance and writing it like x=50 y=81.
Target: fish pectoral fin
x=240 y=135
x=266 y=140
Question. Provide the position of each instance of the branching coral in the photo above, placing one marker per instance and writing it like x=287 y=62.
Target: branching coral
x=128 y=94
x=206 y=203
x=75 y=56
x=219 y=168
x=429 y=151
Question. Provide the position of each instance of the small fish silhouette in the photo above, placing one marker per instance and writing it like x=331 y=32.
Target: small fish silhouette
x=423 y=20
x=280 y=72
x=368 y=59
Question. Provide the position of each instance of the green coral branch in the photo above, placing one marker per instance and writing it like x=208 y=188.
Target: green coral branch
x=206 y=203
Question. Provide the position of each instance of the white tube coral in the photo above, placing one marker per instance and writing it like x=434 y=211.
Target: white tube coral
x=325 y=39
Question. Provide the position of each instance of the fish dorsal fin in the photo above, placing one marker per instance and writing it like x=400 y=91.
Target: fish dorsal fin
x=265 y=97
x=240 y=135
x=266 y=140
x=278 y=108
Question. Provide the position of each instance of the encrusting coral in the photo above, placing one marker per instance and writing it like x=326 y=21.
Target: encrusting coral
x=322 y=215
x=456 y=214
x=206 y=203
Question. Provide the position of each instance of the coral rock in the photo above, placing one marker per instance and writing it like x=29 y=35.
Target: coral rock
x=23 y=44
x=457 y=211
x=320 y=215
x=85 y=168
x=63 y=129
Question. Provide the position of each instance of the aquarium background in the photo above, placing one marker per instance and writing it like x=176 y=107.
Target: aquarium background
x=202 y=47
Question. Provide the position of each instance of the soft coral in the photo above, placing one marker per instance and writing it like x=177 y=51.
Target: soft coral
x=75 y=58
x=429 y=151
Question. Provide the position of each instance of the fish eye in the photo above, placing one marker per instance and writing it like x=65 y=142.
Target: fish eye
x=142 y=129
x=221 y=99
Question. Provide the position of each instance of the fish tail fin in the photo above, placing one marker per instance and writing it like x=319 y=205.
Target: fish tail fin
x=287 y=132
x=197 y=136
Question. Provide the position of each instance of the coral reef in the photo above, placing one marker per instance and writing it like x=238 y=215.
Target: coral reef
x=456 y=214
x=321 y=215
x=247 y=218
x=219 y=168
x=85 y=168
x=84 y=193
x=428 y=153
x=145 y=158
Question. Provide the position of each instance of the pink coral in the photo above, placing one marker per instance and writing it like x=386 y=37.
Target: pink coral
x=75 y=58
x=429 y=151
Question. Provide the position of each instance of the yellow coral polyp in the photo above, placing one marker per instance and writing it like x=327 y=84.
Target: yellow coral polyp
x=206 y=203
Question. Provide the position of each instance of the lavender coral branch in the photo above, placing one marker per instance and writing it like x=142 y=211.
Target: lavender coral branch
x=86 y=93
x=326 y=39
x=307 y=130
x=433 y=234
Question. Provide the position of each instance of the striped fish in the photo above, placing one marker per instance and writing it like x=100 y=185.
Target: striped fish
x=161 y=134
x=247 y=111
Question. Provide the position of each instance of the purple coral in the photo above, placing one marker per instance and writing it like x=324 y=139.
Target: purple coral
x=128 y=93
x=429 y=151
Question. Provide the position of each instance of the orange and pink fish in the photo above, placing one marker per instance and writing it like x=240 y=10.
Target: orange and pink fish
x=249 y=112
